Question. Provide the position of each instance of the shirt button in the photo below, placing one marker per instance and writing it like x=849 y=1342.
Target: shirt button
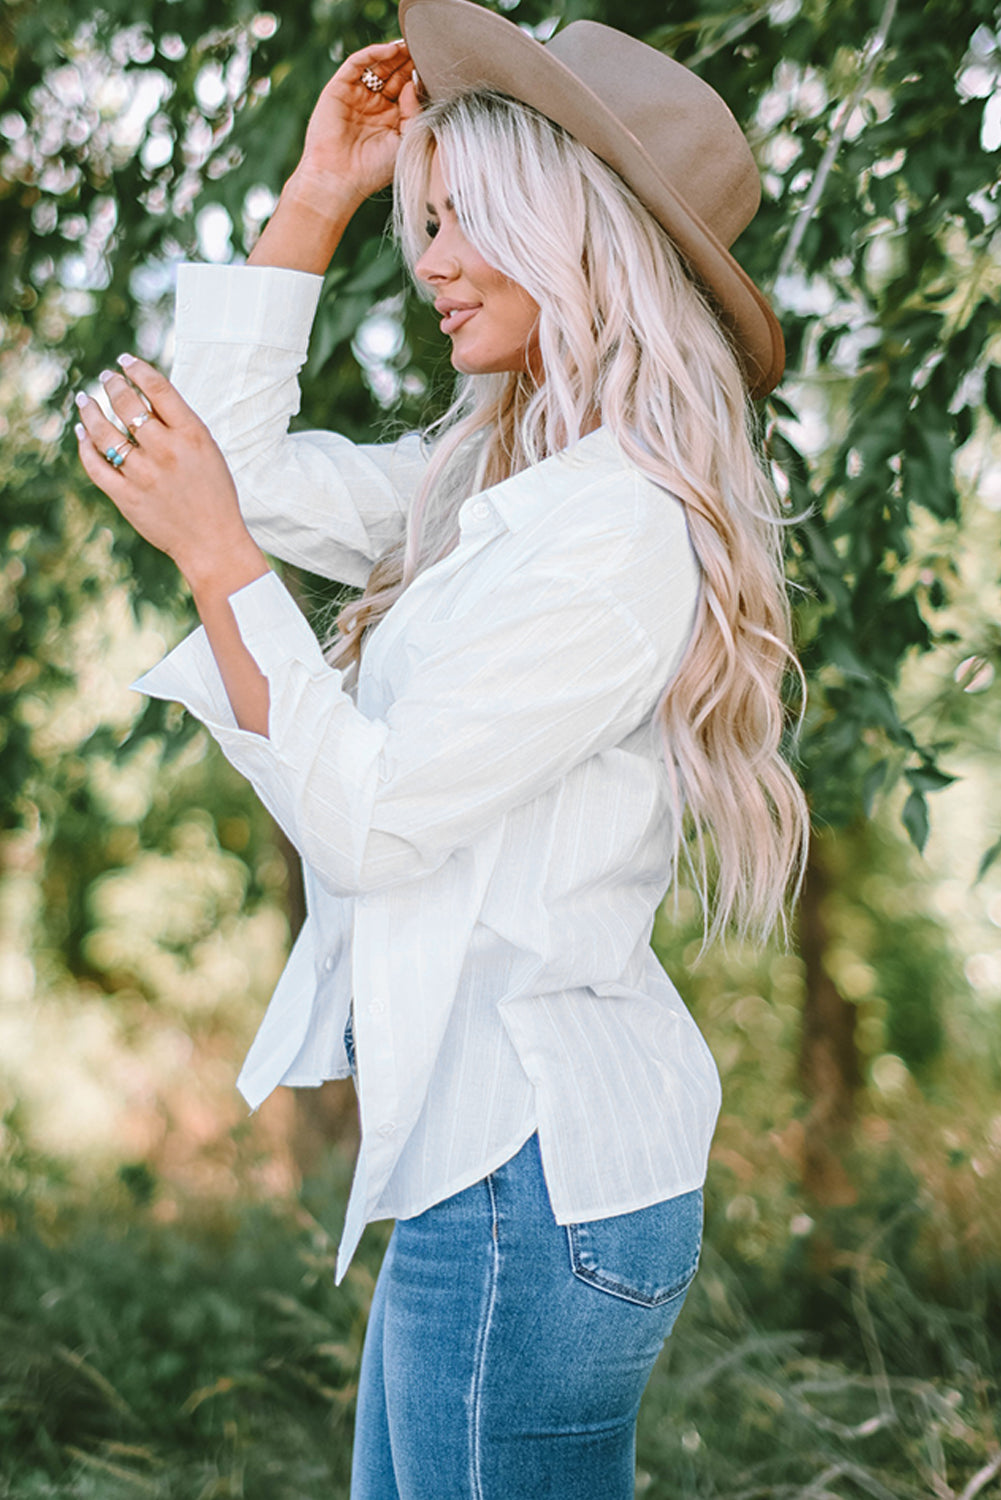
x=387 y=1129
x=481 y=510
x=328 y=963
x=376 y=1008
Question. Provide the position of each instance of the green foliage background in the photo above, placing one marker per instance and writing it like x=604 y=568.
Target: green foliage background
x=142 y=890
x=889 y=303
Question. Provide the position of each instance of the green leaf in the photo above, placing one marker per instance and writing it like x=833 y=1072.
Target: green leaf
x=841 y=652
x=872 y=783
x=379 y=264
x=987 y=859
x=782 y=407
x=928 y=472
x=915 y=819
x=928 y=778
x=992 y=391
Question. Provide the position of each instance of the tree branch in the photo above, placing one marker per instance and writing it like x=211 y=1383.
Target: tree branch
x=735 y=32
x=982 y=1477
x=802 y=220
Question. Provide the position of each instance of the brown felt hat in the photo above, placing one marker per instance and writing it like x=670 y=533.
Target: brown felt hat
x=666 y=132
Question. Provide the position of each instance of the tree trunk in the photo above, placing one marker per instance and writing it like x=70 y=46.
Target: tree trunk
x=828 y=1060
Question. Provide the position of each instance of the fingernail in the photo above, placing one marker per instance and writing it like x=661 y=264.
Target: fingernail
x=81 y=398
x=105 y=376
x=80 y=429
x=127 y=359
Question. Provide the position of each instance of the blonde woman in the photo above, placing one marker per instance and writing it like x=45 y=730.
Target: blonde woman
x=567 y=658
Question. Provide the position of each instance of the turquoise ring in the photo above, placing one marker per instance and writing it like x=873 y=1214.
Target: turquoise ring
x=116 y=456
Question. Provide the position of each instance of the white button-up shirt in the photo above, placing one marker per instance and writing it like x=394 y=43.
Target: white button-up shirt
x=485 y=822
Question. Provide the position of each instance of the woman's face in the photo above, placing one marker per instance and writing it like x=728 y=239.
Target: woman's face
x=491 y=320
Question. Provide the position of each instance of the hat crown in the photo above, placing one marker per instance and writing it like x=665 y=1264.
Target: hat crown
x=674 y=116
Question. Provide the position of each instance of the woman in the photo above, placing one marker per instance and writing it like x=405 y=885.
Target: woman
x=573 y=629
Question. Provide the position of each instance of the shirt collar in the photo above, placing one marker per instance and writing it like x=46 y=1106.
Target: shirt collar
x=518 y=499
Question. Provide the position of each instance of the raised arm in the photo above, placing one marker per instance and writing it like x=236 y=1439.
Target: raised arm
x=242 y=332
x=351 y=143
x=173 y=483
x=312 y=498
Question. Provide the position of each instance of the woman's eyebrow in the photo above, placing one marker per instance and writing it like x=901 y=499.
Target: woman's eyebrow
x=431 y=209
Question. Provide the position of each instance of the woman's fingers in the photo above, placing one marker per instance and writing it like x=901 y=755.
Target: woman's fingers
x=354 y=131
x=171 y=483
x=164 y=400
x=96 y=466
x=129 y=406
x=383 y=56
x=396 y=71
x=109 y=442
x=387 y=64
x=116 y=460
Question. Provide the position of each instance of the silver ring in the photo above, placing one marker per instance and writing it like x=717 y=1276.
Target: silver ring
x=372 y=81
x=140 y=421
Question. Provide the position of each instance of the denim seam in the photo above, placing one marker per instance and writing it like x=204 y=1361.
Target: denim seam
x=479 y=1365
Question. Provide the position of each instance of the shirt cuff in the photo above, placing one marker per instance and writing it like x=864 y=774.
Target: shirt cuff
x=262 y=305
x=189 y=675
x=273 y=629
x=309 y=711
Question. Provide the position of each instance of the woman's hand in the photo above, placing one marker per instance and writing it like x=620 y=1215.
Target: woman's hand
x=354 y=131
x=352 y=139
x=171 y=483
x=168 y=478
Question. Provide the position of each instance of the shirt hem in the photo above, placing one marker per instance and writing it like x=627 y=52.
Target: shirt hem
x=460 y=1183
x=592 y=1212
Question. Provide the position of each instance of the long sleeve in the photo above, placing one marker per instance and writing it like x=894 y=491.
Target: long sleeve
x=488 y=721
x=501 y=702
x=314 y=499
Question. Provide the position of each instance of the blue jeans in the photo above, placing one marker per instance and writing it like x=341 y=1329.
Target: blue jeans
x=506 y=1354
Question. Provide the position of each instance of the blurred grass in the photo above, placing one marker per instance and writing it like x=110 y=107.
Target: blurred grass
x=859 y=1360
x=213 y=1357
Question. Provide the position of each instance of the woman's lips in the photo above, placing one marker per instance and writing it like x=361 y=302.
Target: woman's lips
x=455 y=319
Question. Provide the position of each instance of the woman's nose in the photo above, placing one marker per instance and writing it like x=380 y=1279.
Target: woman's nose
x=435 y=265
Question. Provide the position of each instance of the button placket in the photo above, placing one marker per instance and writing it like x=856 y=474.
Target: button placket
x=379 y=1097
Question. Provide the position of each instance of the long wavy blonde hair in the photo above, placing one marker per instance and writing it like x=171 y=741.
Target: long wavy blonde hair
x=623 y=331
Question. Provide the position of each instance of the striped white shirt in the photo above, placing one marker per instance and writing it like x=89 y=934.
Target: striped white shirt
x=485 y=822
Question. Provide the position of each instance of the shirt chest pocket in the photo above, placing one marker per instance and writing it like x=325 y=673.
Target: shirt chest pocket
x=421 y=624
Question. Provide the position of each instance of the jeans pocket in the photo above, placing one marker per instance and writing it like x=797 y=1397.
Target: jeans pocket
x=648 y=1257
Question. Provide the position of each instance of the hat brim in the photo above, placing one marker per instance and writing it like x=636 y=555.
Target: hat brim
x=457 y=46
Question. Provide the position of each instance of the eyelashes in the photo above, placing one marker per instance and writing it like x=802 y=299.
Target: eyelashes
x=431 y=228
